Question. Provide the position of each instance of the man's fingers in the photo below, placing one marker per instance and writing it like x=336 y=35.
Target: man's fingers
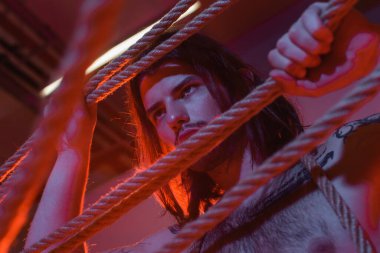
x=294 y=87
x=281 y=62
x=303 y=39
x=295 y=53
x=287 y=82
x=313 y=24
x=282 y=76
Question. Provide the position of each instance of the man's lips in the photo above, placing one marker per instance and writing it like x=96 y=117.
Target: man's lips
x=185 y=134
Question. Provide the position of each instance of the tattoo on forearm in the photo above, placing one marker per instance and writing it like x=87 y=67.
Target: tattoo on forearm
x=329 y=155
x=349 y=128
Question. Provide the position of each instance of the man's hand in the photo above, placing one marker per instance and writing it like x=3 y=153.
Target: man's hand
x=79 y=131
x=63 y=196
x=305 y=64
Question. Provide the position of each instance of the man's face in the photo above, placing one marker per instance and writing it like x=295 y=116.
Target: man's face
x=177 y=102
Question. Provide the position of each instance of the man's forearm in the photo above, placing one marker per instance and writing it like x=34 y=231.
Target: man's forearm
x=63 y=195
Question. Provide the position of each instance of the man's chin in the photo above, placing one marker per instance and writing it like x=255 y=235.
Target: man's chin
x=212 y=160
x=220 y=155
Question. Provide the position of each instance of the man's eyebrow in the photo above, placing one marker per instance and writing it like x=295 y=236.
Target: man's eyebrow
x=183 y=83
x=152 y=108
x=174 y=91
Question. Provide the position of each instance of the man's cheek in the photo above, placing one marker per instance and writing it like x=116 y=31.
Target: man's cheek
x=206 y=110
x=167 y=135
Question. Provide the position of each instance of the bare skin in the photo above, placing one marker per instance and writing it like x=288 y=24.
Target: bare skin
x=297 y=51
x=63 y=196
x=354 y=53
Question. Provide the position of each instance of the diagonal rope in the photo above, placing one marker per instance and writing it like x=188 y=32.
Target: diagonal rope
x=278 y=163
x=146 y=183
x=345 y=215
x=331 y=16
x=265 y=92
x=334 y=12
x=175 y=40
x=9 y=165
x=24 y=185
x=128 y=56
x=191 y=28
x=108 y=72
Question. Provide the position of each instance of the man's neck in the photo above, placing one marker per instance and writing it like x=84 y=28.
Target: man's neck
x=240 y=166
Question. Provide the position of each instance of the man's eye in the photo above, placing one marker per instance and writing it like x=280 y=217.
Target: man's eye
x=158 y=114
x=187 y=91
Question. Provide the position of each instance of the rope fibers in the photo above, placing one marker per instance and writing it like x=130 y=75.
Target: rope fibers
x=272 y=92
x=278 y=163
x=121 y=78
x=108 y=72
x=23 y=186
x=97 y=209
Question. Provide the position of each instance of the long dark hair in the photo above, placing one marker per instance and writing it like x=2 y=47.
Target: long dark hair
x=193 y=192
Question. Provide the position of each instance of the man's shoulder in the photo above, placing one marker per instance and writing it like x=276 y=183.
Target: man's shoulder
x=365 y=126
x=354 y=143
x=351 y=160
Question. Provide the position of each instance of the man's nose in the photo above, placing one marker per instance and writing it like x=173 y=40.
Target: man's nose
x=177 y=115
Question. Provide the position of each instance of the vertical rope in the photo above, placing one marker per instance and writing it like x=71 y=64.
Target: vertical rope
x=342 y=210
x=277 y=163
x=25 y=184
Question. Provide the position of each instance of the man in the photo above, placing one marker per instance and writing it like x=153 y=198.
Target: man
x=195 y=83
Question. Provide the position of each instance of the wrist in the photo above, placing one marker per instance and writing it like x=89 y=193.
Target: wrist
x=79 y=144
x=74 y=152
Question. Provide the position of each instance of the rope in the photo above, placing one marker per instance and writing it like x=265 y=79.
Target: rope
x=25 y=184
x=107 y=72
x=335 y=11
x=277 y=163
x=120 y=62
x=101 y=206
x=9 y=165
x=172 y=163
x=175 y=40
x=137 y=189
x=346 y=216
x=331 y=16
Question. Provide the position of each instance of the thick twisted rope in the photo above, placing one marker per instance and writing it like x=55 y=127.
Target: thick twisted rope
x=25 y=184
x=11 y=163
x=346 y=217
x=335 y=11
x=101 y=206
x=331 y=16
x=108 y=72
x=127 y=57
x=205 y=140
x=118 y=64
x=278 y=163
x=175 y=40
x=271 y=91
